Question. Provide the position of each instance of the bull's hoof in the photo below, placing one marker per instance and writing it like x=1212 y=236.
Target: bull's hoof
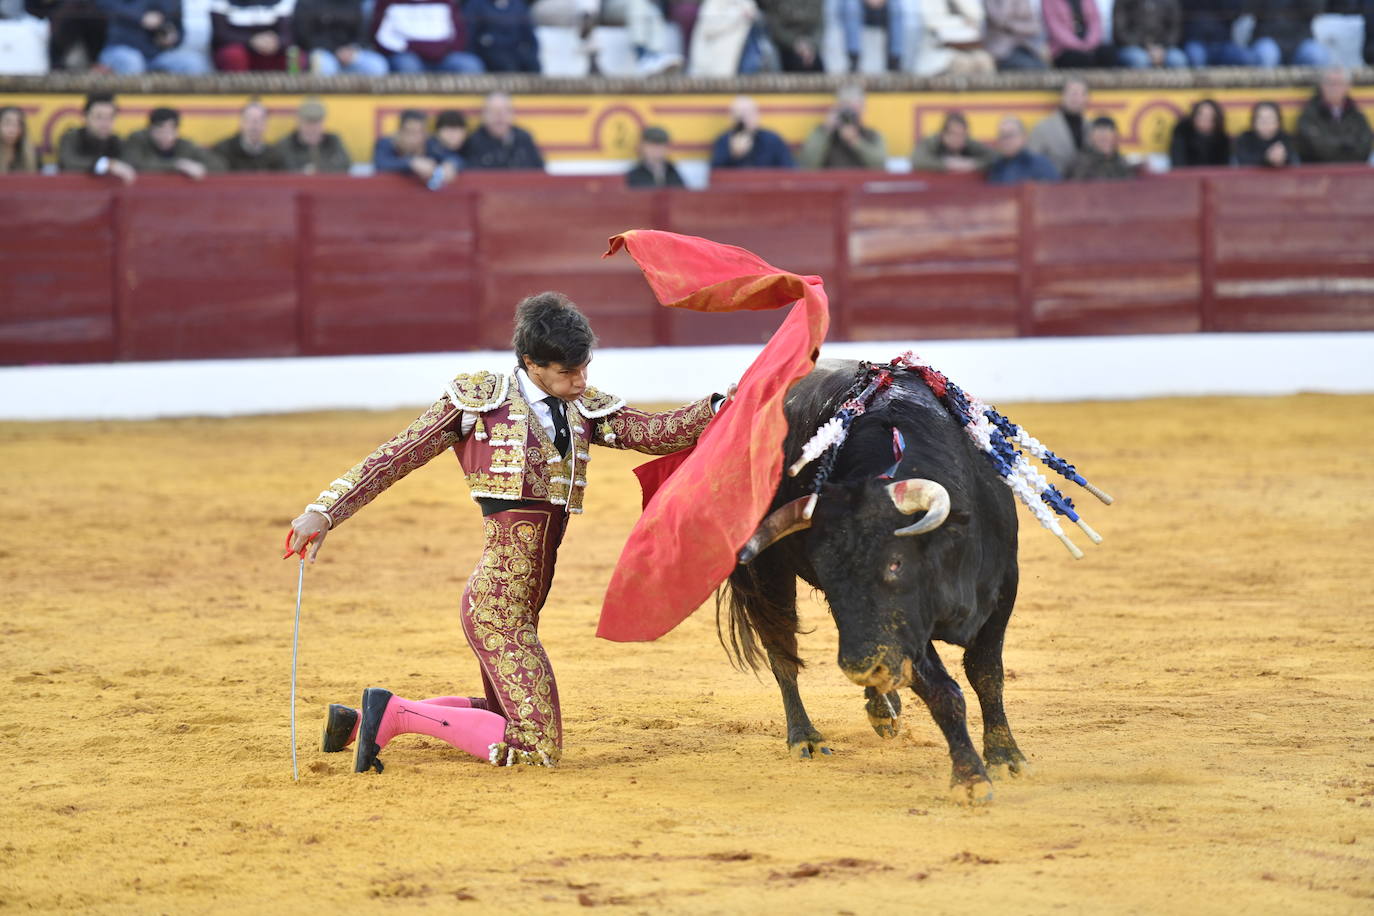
x=974 y=793
x=1012 y=769
x=809 y=747
x=885 y=727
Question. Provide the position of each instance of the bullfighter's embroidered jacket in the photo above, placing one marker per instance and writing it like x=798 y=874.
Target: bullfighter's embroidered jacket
x=505 y=451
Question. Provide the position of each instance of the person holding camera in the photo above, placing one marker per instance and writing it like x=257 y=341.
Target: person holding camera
x=842 y=141
x=746 y=145
x=146 y=35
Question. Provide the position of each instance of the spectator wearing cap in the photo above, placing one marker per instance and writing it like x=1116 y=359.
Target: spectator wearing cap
x=423 y=36
x=654 y=169
x=248 y=150
x=952 y=150
x=146 y=35
x=497 y=143
x=503 y=35
x=93 y=147
x=1148 y=33
x=843 y=141
x=746 y=145
x=159 y=148
x=1331 y=127
x=445 y=146
x=249 y=34
x=310 y=149
x=1015 y=162
x=332 y=33
x=404 y=153
x=1101 y=159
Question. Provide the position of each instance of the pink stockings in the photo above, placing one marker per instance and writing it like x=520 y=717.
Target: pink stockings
x=456 y=702
x=464 y=727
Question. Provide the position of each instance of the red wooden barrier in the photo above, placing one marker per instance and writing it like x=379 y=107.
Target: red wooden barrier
x=274 y=265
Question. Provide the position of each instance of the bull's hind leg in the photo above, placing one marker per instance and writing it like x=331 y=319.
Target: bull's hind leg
x=983 y=665
x=969 y=782
x=884 y=711
x=802 y=738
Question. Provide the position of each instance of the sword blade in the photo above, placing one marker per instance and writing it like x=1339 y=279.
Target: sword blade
x=295 y=643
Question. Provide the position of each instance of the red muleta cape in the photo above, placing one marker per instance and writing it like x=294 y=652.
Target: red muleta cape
x=709 y=500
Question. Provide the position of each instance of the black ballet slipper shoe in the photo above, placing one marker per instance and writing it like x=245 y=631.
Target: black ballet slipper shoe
x=338 y=726
x=371 y=709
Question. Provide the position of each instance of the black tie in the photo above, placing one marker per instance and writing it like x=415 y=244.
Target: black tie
x=561 y=435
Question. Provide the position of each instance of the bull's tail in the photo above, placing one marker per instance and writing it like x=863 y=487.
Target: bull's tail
x=756 y=615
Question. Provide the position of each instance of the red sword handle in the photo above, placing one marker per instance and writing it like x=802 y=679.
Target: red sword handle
x=290 y=534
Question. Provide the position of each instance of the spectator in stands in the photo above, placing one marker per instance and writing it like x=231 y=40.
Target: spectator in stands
x=503 y=35
x=1283 y=34
x=1207 y=33
x=1075 y=33
x=16 y=152
x=952 y=39
x=310 y=149
x=796 y=27
x=1331 y=128
x=654 y=169
x=1148 y=33
x=843 y=141
x=1101 y=158
x=885 y=14
x=248 y=150
x=146 y=35
x=727 y=39
x=1201 y=139
x=73 y=25
x=1060 y=136
x=405 y=153
x=1015 y=162
x=1014 y=35
x=498 y=143
x=1266 y=143
x=423 y=36
x=250 y=34
x=446 y=145
x=746 y=145
x=952 y=150
x=158 y=148
x=332 y=33
x=93 y=147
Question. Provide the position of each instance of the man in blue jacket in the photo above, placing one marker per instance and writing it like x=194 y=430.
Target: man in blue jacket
x=746 y=145
x=1016 y=163
x=146 y=35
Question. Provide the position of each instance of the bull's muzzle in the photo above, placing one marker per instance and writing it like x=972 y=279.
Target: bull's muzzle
x=885 y=674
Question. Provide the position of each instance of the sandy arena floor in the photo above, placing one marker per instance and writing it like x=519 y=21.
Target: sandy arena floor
x=1196 y=696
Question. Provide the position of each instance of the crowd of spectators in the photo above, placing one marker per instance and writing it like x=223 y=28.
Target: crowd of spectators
x=1069 y=143
x=713 y=37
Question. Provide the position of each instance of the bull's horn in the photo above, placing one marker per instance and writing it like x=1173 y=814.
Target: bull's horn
x=912 y=496
x=784 y=520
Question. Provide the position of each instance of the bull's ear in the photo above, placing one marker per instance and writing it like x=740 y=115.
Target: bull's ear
x=898 y=449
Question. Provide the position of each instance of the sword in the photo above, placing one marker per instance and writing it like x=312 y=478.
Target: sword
x=295 y=642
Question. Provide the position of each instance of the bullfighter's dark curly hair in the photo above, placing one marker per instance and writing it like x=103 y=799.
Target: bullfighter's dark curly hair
x=549 y=328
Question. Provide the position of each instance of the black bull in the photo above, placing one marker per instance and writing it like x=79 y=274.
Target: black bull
x=890 y=594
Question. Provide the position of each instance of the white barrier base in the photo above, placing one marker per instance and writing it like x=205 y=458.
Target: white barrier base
x=1024 y=369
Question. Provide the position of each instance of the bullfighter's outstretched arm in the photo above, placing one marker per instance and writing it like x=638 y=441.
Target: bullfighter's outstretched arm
x=434 y=431
x=659 y=433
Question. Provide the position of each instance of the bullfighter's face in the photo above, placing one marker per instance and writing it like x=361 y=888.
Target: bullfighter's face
x=565 y=382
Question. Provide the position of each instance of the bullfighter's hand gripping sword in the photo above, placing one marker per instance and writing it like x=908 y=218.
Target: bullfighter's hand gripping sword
x=296 y=640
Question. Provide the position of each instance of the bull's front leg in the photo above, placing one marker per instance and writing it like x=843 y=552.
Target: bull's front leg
x=983 y=665
x=802 y=738
x=884 y=711
x=969 y=783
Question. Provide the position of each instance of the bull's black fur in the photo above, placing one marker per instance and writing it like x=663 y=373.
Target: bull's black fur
x=887 y=594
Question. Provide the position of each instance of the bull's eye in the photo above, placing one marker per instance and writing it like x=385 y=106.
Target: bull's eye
x=894 y=566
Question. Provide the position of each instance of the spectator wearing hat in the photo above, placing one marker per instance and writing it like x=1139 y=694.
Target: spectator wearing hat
x=159 y=148
x=746 y=145
x=445 y=146
x=93 y=147
x=1101 y=159
x=1331 y=127
x=310 y=149
x=497 y=143
x=146 y=35
x=332 y=32
x=654 y=169
x=248 y=150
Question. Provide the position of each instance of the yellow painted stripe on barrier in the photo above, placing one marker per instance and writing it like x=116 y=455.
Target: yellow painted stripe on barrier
x=606 y=128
